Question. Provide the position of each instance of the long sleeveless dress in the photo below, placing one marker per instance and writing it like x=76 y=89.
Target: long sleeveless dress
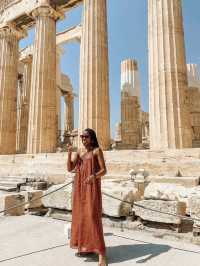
x=87 y=229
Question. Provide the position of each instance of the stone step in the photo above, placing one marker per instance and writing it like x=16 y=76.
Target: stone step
x=13 y=178
x=10 y=183
x=8 y=189
x=6 y=181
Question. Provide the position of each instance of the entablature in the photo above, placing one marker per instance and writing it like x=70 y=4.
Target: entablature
x=19 y=11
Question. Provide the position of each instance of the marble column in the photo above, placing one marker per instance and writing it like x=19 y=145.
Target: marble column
x=130 y=105
x=94 y=84
x=9 y=38
x=23 y=106
x=169 y=114
x=42 y=131
x=69 y=112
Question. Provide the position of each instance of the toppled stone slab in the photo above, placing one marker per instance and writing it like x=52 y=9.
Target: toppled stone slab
x=171 y=192
x=186 y=181
x=61 y=199
x=11 y=200
x=122 y=190
x=173 y=207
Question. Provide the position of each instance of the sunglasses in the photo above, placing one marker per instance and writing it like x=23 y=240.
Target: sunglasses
x=84 y=136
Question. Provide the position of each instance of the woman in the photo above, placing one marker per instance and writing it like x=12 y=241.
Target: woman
x=87 y=230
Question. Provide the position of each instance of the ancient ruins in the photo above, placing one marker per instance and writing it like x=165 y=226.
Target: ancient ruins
x=154 y=158
x=33 y=123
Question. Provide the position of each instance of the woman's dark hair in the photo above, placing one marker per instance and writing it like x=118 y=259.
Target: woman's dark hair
x=93 y=137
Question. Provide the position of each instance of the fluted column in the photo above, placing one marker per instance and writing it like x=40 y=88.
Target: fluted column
x=23 y=106
x=69 y=112
x=42 y=132
x=94 y=87
x=169 y=114
x=9 y=38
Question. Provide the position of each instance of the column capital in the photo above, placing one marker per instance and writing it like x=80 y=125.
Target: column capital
x=47 y=11
x=9 y=30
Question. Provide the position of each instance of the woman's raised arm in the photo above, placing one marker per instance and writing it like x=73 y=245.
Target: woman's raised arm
x=71 y=162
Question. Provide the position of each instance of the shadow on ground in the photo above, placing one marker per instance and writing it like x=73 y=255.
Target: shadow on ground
x=124 y=253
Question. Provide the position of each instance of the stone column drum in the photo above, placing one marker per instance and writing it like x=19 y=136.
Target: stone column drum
x=169 y=114
x=42 y=132
x=94 y=84
x=130 y=105
x=9 y=38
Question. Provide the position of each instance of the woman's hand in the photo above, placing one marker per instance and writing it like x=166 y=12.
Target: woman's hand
x=90 y=179
x=69 y=148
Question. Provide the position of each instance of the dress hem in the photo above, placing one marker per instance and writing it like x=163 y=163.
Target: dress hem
x=81 y=250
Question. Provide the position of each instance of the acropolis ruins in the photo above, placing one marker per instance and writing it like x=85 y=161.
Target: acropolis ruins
x=152 y=157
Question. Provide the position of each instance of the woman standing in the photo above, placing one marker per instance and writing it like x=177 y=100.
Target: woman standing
x=87 y=229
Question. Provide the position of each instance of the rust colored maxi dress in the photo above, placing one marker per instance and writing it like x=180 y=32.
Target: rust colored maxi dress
x=87 y=229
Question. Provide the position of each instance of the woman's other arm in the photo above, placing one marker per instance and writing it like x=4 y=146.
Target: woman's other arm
x=102 y=171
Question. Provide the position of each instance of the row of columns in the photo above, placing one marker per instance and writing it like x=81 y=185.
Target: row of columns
x=42 y=125
x=169 y=116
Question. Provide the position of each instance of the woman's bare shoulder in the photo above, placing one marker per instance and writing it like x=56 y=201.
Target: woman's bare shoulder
x=98 y=151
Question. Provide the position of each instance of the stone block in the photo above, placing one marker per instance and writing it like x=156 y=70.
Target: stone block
x=61 y=199
x=8 y=201
x=194 y=208
x=32 y=195
x=122 y=190
x=174 y=207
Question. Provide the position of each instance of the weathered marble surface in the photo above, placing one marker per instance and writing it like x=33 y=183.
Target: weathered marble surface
x=61 y=199
x=124 y=191
x=174 y=207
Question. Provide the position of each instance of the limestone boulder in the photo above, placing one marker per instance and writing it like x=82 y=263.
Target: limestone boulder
x=123 y=190
x=173 y=207
x=61 y=199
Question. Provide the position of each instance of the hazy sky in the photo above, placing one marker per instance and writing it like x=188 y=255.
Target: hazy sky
x=127 y=29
